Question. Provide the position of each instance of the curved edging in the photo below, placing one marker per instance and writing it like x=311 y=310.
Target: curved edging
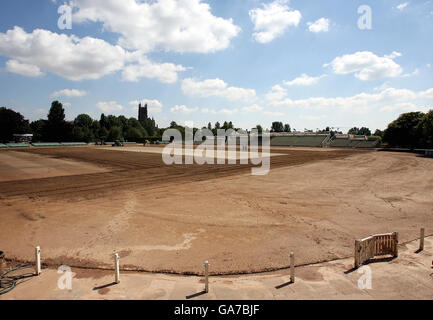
x=191 y=273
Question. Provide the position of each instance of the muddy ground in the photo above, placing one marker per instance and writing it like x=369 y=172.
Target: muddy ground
x=172 y=218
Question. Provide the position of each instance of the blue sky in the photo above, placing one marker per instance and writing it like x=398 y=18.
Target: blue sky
x=306 y=63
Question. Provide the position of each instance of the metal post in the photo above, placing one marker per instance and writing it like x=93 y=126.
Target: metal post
x=117 y=267
x=38 y=260
x=421 y=239
x=206 y=276
x=292 y=267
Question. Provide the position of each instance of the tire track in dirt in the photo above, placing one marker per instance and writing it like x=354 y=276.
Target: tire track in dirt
x=132 y=170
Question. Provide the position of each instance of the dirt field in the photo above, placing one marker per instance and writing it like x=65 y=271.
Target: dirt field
x=314 y=202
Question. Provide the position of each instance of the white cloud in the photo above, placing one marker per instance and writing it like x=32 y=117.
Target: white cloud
x=153 y=106
x=109 y=106
x=165 y=72
x=277 y=93
x=367 y=66
x=218 y=88
x=400 y=107
x=183 y=109
x=66 y=56
x=382 y=87
x=69 y=93
x=23 y=69
x=67 y=104
x=386 y=100
x=273 y=113
x=273 y=20
x=393 y=55
x=252 y=108
x=312 y=118
x=221 y=111
x=169 y=25
x=412 y=74
x=304 y=80
x=402 y=6
x=76 y=58
x=40 y=112
x=320 y=25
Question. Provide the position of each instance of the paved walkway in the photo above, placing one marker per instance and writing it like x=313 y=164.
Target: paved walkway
x=410 y=276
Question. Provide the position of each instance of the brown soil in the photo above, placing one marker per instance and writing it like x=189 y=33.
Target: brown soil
x=173 y=218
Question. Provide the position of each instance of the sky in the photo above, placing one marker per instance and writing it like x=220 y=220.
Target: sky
x=308 y=63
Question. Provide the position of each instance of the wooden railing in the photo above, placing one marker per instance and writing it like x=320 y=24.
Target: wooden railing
x=376 y=245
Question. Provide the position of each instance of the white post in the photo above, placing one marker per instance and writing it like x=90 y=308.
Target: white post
x=292 y=267
x=38 y=260
x=421 y=239
x=117 y=267
x=206 y=276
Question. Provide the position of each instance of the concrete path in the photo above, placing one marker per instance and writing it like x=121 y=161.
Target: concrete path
x=410 y=276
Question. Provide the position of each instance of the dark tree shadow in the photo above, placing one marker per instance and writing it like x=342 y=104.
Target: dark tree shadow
x=195 y=295
x=105 y=286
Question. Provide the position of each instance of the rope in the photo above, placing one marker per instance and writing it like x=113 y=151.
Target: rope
x=8 y=282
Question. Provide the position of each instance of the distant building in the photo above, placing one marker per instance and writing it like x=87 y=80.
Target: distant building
x=142 y=113
x=148 y=123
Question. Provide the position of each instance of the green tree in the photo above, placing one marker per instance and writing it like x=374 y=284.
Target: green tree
x=259 y=129
x=360 y=131
x=12 y=122
x=115 y=133
x=405 y=131
x=378 y=133
x=287 y=128
x=425 y=127
x=277 y=127
x=354 y=131
x=39 y=129
x=84 y=121
x=96 y=127
x=103 y=121
x=364 y=132
x=150 y=126
x=57 y=128
x=103 y=134
x=133 y=134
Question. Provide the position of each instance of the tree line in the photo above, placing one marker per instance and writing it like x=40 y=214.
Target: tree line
x=410 y=130
x=84 y=129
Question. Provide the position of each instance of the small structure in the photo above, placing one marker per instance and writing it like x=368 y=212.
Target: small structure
x=23 y=138
x=375 y=245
